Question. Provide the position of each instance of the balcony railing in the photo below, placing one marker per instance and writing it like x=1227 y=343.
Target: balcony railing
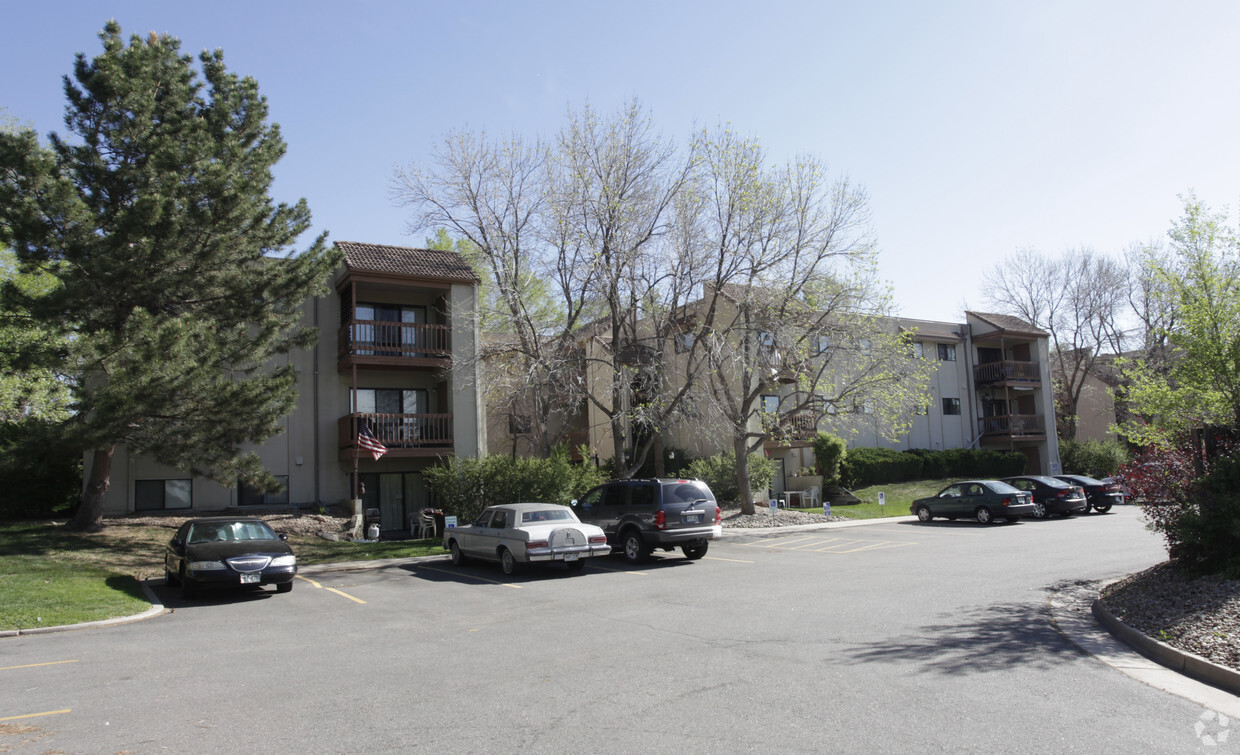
x=1013 y=426
x=399 y=431
x=1007 y=371
x=379 y=338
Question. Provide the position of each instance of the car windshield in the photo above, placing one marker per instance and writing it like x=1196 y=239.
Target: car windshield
x=545 y=515
x=218 y=532
x=1001 y=487
x=686 y=491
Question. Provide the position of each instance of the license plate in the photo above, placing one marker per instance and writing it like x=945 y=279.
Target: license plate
x=691 y=518
x=571 y=556
x=251 y=579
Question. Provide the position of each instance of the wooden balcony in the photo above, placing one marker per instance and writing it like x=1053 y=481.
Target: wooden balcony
x=404 y=435
x=1024 y=374
x=378 y=343
x=1013 y=427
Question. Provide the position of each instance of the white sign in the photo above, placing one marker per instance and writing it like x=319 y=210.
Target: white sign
x=449 y=522
x=882 y=499
x=774 y=506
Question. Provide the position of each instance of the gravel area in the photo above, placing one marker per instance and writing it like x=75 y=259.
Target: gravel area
x=1200 y=616
x=732 y=517
x=290 y=523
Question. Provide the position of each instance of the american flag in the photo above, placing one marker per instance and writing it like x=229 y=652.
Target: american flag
x=367 y=440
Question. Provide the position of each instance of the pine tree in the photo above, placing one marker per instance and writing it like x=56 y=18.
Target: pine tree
x=177 y=282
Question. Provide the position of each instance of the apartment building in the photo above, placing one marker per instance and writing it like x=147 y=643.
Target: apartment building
x=395 y=351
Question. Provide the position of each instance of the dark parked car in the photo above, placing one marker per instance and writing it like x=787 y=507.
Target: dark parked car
x=983 y=500
x=228 y=552
x=1100 y=495
x=1050 y=495
x=641 y=515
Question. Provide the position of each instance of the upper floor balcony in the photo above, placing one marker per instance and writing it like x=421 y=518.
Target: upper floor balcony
x=404 y=435
x=1011 y=372
x=1013 y=427
x=379 y=343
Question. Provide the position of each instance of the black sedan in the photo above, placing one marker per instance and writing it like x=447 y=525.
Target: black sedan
x=983 y=500
x=228 y=552
x=1101 y=495
x=1051 y=496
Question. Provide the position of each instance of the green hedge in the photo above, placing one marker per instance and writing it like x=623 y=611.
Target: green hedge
x=1093 y=458
x=464 y=487
x=39 y=477
x=873 y=466
x=719 y=473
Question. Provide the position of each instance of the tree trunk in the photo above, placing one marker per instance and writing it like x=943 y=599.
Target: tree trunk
x=742 y=475
x=89 y=516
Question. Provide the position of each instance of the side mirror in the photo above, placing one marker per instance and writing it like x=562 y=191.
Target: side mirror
x=573 y=502
x=283 y=536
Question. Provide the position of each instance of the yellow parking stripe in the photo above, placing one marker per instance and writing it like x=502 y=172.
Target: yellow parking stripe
x=36 y=715
x=471 y=576
x=332 y=589
x=33 y=665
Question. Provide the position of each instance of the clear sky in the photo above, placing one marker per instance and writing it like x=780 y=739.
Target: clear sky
x=977 y=127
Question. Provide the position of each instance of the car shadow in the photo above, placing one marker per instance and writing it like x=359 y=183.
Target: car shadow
x=962 y=522
x=216 y=596
x=985 y=639
x=482 y=572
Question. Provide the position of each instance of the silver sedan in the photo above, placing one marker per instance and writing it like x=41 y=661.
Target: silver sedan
x=521 y=533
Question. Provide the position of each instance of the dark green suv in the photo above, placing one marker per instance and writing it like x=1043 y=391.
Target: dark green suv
x=641 y=515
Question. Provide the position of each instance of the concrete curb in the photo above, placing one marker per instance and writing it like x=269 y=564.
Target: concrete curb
x=156 y=609
x=1173 y=658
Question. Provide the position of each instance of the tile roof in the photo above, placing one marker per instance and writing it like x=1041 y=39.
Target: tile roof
x=1008 y=323
x=403 y=260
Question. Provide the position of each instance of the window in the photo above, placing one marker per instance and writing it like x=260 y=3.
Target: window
x=951 y=406
x=684 y=342
x=643 y=496
x=248 y=496
x=770 y=404
x=863 y=345
x=767 y=339
x=158 y=495
x=919 y=349
x=822 y=344
x=947 y=352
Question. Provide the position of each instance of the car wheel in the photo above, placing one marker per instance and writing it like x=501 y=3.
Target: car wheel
x=1087 y=509
x=635 y=550
x=456 y=554
x=507 y=562
x=983 y=515
x=1104 y=508
x=694 y=552
x=577 y=565
x=924 y=514
x=284 y=587
x=1039 y=511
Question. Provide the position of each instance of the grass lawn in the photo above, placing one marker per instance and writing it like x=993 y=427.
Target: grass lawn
x=897 y=499
x=51 y=576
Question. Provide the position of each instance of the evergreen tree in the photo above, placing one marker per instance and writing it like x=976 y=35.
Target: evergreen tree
x=176 y=282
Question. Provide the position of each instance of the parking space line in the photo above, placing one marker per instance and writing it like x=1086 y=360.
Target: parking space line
x=36 y=715
x=33 y=665
x=332 y=589
x=621 y=571
x=733 y=560
x=471 y=576
x=781 y=542
x=872 y=546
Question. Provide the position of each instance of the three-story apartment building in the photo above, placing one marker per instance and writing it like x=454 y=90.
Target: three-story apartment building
x=396 y=340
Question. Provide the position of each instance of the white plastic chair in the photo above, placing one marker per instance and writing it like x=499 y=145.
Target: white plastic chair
x=812 y=496
x=426 y=523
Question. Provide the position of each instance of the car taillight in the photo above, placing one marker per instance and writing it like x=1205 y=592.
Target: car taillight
x=596 y=539
x=536 y=544
x=660 y=519
x=1006 y=501
x=718 y=515
x=1063 y=494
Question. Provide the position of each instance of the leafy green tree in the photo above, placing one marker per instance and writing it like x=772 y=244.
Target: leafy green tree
x=176 y=284
x=1200 y=277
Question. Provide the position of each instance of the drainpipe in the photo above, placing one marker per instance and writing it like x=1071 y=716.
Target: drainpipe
x=315 y=418
x=972 y=382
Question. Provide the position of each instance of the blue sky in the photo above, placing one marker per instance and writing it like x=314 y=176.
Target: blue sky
x=977 y=127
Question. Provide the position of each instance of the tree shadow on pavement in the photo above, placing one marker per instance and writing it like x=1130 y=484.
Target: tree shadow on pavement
x=984 y=639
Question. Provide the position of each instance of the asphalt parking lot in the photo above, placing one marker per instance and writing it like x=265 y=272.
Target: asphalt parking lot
x=882 y=637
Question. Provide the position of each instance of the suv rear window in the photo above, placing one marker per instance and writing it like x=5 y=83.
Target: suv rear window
x=685 y=491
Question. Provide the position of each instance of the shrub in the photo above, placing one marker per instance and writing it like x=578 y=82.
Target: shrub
x=829 y=453
x=1093 y=458
x=38 y=479
x=719 y=473
x=872 y=466
x=464 y=487
x=1199 y=519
